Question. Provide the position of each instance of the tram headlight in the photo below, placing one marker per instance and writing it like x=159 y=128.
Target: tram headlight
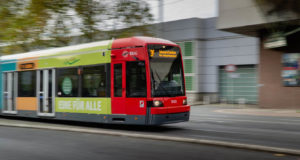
x=157 y=103
x=184 y=102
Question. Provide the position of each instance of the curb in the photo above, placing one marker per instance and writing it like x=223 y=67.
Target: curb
x=262 y=112
x=165 y=138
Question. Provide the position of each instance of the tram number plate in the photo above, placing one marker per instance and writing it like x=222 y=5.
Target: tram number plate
x=142 y=104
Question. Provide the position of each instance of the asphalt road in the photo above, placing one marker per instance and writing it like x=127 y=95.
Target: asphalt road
x=36 y=144
x=205 y=123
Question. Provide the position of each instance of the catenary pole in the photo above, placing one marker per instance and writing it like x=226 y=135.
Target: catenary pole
x=161 y=11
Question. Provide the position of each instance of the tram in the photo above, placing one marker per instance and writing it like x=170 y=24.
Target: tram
x=136 y=80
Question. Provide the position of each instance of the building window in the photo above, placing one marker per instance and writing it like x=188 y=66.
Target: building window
x=68 y=80
x=188 y=65
x=136 y=79
x=94 y=81
x=27 y=84
x=189 y=83
x=188 y=48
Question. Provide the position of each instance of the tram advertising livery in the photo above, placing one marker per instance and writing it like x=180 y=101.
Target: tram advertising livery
x=137 y=80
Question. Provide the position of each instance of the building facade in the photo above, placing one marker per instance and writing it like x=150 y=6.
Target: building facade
x=206 y=52
x=279 y=50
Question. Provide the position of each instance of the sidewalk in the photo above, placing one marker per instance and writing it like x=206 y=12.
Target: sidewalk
x=253 y=110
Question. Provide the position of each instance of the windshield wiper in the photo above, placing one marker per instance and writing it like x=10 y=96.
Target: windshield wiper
x=163 y=88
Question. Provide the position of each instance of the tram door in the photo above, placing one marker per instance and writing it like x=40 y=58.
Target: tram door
x=10 y=80
x=45 y=92
x=119 y=88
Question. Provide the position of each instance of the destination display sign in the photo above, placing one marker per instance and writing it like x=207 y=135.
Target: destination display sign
x=163 y=52
x=27 y=66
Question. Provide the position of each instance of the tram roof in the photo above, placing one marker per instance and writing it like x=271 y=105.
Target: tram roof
x=52 y=51
x=138 y=41
x=118 y=43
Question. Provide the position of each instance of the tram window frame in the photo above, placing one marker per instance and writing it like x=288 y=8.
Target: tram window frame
x=32 y=79
x=136 y=82
x=101 y=90
x=59 y=79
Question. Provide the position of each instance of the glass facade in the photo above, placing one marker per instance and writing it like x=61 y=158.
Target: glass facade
x=240 y=85
x=189 y=62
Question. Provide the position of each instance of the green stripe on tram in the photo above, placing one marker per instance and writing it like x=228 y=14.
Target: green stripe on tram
x=87 y=56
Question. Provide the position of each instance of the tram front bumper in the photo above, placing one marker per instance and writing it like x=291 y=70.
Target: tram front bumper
x=166 y=115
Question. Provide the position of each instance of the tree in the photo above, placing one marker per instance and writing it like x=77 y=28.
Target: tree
x=280 y=6
x=91 y=13
x=131 y=15
x=24 y=24
x=285 y=12
x=33 y=24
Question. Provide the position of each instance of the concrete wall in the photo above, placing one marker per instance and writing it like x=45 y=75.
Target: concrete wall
x=221 y=48
x=181 y=30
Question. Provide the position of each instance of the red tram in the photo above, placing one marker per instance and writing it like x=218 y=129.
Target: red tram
x=137 y=80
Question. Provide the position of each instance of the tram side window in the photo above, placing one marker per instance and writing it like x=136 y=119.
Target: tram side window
x=27 y=84
x=118 y=80
x=94 y=81
x=68 y=80
x=136 y=79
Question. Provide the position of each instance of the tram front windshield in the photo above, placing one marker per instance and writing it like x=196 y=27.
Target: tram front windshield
x=166 y=71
